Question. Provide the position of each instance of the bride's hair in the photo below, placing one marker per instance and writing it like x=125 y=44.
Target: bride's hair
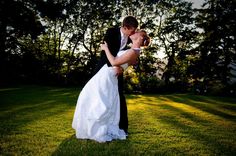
x=146 y=38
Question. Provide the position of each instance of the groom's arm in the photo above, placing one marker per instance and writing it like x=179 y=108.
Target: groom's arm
x=112 y=39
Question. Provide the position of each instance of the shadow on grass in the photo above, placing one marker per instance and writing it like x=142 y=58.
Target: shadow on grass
x=212 y=105
x=211 y=135
x=23 y=105
x=73 y=146
x=221 y=107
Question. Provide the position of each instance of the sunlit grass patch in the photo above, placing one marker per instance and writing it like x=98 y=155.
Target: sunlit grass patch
x=37 y=121
x=182 y=124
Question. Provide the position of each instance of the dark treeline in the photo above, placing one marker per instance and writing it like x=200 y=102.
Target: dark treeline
x=57 y=43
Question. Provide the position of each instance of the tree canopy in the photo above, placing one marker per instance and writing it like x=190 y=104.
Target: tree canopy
x=57 y=42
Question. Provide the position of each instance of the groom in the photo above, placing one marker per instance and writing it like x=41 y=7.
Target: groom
x=117 y=38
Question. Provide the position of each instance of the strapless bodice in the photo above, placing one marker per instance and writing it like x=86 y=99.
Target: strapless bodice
x=125 y=66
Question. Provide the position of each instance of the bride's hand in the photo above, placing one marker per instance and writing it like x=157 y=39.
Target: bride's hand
x=118 y=70
x=104 y=46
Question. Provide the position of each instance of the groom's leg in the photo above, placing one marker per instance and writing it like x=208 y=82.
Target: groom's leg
x=123 y=107
x=123 y=114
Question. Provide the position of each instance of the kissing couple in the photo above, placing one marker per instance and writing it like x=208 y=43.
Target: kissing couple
x=101 y=110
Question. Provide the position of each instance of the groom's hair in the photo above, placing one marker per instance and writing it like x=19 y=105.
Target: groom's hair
x=130 y=22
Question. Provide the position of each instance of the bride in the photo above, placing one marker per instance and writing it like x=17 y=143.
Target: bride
x=97 y=112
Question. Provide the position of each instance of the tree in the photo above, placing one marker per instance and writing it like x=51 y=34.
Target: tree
x=17 y=19
x=85 y=26
x=217 y=47
x=176 y=33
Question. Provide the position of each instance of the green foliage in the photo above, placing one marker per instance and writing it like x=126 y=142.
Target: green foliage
x=217 y=46
x=177 y=34
x=17 y=19
x=199 y=44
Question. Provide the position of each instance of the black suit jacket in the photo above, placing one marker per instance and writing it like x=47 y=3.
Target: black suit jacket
x=113 y=39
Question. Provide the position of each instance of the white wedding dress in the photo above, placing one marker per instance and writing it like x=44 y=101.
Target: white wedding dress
x=97 y=112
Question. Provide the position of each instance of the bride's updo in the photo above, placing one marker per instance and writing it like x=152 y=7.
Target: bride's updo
x=146 y=38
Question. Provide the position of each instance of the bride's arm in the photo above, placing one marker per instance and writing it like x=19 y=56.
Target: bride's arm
x=116 y=61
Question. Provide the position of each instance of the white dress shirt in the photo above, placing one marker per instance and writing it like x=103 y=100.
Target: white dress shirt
x=124 y=40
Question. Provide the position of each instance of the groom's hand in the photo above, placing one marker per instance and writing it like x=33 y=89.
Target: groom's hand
x=118 y=70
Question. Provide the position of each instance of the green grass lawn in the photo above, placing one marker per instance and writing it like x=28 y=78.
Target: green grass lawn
x=37 y=121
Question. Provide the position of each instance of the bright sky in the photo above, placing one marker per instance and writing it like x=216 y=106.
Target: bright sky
x=196 y=3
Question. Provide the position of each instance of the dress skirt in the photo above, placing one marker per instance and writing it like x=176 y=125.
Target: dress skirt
x=97 y=112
